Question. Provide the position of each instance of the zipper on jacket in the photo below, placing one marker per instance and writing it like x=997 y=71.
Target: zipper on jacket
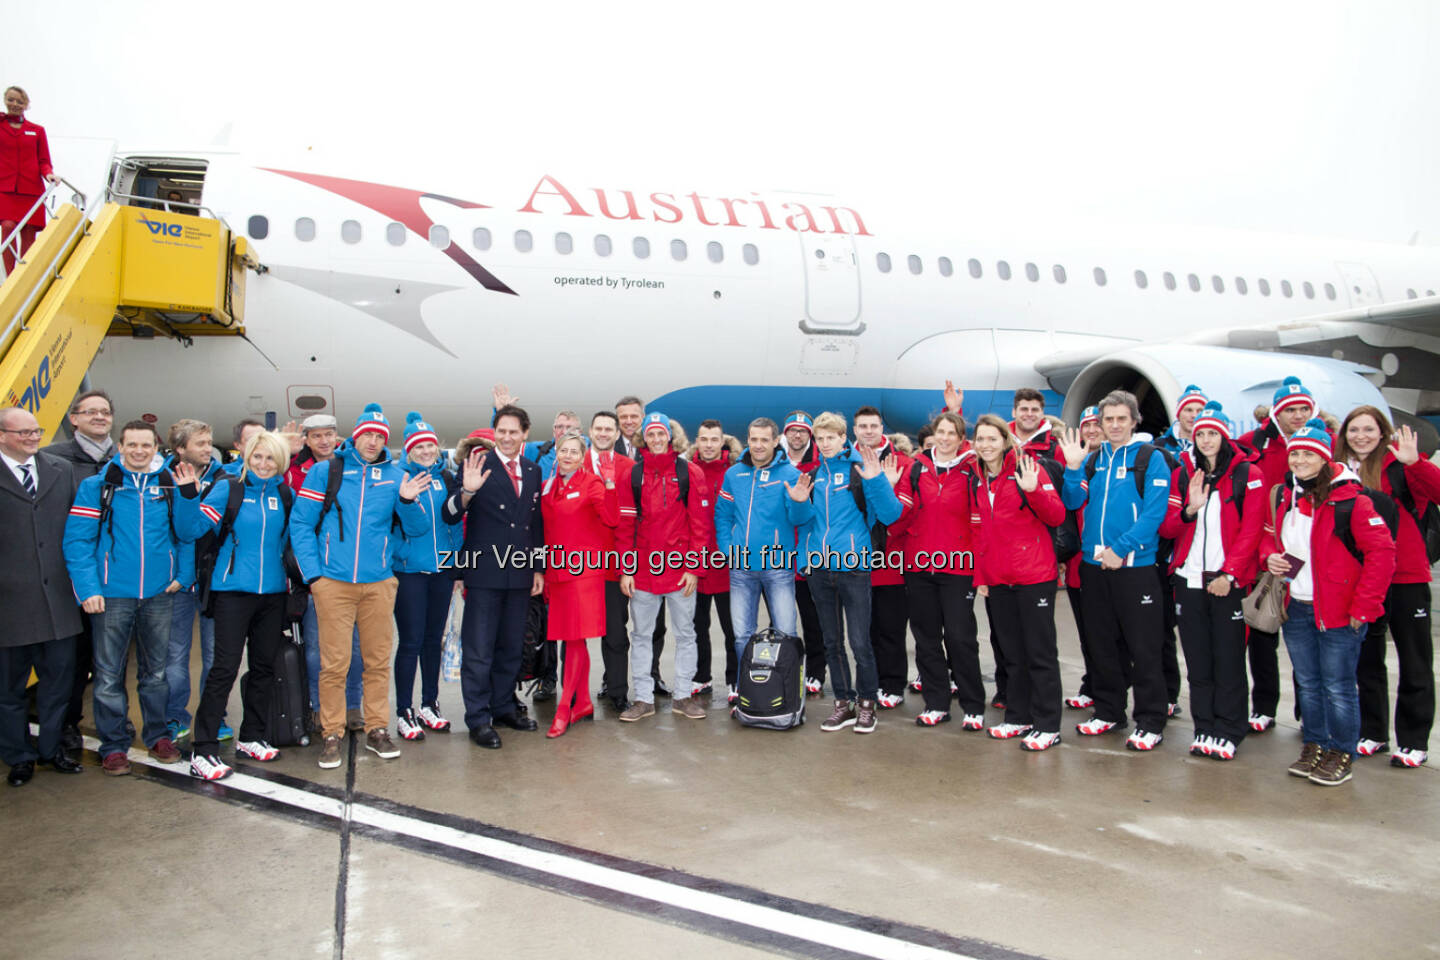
x=359 y=519
x=434 y=537
x=260 y=498
x=140 y=494
x=750 y=507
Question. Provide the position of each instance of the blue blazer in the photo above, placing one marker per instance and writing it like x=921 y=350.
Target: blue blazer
x=504 y=534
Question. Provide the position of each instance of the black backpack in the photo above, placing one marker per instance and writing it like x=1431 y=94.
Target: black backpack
x=1345 y=513
x=770 y=682
x=333 y=479
x=637 y=478
x=207 y=548
x=1428 y=520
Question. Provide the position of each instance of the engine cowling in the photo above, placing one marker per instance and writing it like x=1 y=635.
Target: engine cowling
x=1239 y=379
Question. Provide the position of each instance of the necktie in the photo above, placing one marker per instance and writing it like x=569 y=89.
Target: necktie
x=514 y=468
x=29 y=480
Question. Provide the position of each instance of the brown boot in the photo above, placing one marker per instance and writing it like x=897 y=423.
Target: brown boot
x=688 y=707
x=638 y=710
x=865 y=716
x=841 y=717
x=1309 y=756
x=1333 y=769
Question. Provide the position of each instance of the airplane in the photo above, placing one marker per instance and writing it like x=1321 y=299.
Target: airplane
x=420 y=294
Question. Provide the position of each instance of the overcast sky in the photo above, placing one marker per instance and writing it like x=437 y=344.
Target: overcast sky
x=1298 y=117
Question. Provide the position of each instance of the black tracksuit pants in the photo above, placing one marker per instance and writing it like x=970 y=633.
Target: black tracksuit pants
x=997 y=650
x=942 y=617
x=1171 y=655
x=615 y=645
x=258 y=618
x=1026 y=617
x=1076 y=597
x=1212 y=630
x=889 y=612
x=702 y=637
x=1407 y=616
x=1264 y=652
x=810 y=628
x=1126 y=627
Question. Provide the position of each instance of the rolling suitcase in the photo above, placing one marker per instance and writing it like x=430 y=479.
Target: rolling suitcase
x=288 y=722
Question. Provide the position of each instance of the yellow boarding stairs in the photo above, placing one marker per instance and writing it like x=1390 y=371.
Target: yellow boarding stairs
x=131 y=270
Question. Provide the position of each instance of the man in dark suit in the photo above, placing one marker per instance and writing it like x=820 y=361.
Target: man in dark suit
x=92 y=415
x=503 y=563
x=36 y=491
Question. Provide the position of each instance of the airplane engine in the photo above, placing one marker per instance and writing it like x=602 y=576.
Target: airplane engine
x=1239 y=379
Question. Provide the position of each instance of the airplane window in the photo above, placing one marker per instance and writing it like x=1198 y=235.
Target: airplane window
x=715 y=252
x=1169 y=280
x=1032 y=272
x=678 y=250
x=975 y=268
x=1286 y=289
x=305 y=229
x=1141 y=280
x=523 y=241
x=641 y=247
x=751 y=253
x=350 y=231
x=1409 y=294
x=1329 y=291
x=1099 y=276
x=1241 y=287
x=1217 y=283
x=882 y=262
x=259 y=227
x=395 y=233
x=1059 y=272
x=1309 y=289
x=481 y=238
x=603 y=246
x=439 y=236
x=564 y=243
x=1264 y=286
x=913 y=262
x=1193 y=282
x=1003 y=269
x=946 y=267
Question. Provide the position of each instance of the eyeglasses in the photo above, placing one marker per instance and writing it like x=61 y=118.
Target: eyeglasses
x=95 y=412
x=26 y=434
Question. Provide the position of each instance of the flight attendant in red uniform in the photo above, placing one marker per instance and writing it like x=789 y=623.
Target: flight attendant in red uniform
x=580 y=511
x=24 y=171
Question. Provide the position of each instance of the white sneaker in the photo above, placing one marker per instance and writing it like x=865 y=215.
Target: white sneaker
x=731 y=695
x=915 y=684
x=1144 y=740
x=1259 y=722
x=815 y=686
x=973 y=721
x=1405 y=757
x=1369 y=748
x=1221 y=749
x=208 y=768
x=1080 y=702
x=700 y=689
x=429 y=715
x=408 y=726
x=932 y=718
x=889 y=701
x=1007 y=731
x=1094 y=727
x=1199 y=747
x=257 y=750
x=1037 y=741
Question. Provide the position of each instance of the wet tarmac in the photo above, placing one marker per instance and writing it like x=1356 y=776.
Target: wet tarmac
x=675 y=837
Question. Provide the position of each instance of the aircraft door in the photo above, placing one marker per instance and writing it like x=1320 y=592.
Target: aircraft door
x=832 y=284
x=1360 y=284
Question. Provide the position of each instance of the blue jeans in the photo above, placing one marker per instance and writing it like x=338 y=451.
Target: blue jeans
x=310 y=629
x=1324 y=663
x=151 y=620
x=185 y=605
x=745 y=589
x=849 y=590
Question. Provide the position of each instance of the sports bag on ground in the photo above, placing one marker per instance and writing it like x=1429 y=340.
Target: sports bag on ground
x=770 y=682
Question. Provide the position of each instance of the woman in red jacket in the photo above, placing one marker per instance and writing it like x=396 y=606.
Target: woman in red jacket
x=1413 y=483
x=24 y=171
x=1015 y=504
x=580 y=512
x=713 y=453
x=1338 y=558
x=939 y=585
x=1217 y=507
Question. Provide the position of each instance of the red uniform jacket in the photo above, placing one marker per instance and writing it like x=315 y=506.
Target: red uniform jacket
x=1423 y=480
x=713 y=579
x=1043 y=444
x=580 y=515
x=624 y=499
x=936 y=522
x=886 y=575
x=665 y=525
x=1344 y=589
x=24 y=159
x=1240 y=535
x=1012 y=539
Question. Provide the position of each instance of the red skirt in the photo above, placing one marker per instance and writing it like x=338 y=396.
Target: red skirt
x=13 y=206
x=577 y=609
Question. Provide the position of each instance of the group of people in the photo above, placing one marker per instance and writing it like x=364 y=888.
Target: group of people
x=848 y=536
